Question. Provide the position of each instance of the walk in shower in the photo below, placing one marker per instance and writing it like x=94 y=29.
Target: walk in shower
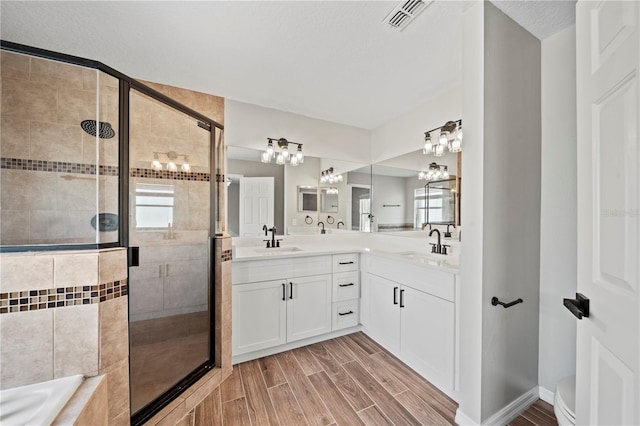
x=92 y=159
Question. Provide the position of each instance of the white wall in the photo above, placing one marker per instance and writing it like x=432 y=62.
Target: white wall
x=471 y=262
x=557 y=352
x=249 y=126
x=388 y=190
x=406 y=133
x=511 y=203
x=304 y=174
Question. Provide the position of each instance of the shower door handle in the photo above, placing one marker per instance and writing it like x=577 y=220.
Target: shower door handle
x=133 y=256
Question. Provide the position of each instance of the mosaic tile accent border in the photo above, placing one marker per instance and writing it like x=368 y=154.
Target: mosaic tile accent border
x=166 y=174
x=227 y=255
x=57 y=166
x=33 y=300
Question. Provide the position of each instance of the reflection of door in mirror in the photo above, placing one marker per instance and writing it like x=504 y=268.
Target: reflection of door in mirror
x=360 y=207
x=256 y=195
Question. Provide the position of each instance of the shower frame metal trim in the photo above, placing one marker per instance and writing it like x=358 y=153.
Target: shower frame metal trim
x=127 y=83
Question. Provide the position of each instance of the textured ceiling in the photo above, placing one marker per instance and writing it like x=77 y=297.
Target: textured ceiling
x=332 y=60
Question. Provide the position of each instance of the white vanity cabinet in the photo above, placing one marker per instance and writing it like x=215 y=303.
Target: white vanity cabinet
x=411 y=313
x=292 y=301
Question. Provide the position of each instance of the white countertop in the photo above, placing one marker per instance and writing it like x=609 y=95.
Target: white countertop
x=412 y=250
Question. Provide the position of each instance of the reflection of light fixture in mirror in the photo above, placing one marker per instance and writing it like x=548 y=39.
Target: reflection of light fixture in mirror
x=331 y=191
x=283 y=156
x=450 y=136
x=435 y=172
x=171 y=163
x=327 y=176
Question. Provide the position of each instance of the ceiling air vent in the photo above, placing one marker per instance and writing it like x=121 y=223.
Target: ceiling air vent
x=405 y=12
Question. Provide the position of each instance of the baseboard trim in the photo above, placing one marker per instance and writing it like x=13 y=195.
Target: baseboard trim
x=546 y=395
x=514 y=409
x=463 y=420
x=237 y=359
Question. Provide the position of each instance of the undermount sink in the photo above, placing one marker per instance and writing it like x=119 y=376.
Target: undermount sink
x=428 y=257
x=276 y=250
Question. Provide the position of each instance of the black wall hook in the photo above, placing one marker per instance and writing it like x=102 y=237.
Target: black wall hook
x=496 y=302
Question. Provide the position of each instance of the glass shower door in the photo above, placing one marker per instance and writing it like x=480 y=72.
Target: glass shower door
x=169 y=221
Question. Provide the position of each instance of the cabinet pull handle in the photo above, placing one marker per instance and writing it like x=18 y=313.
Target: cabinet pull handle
x=166 y=269
x=395 y=295
x=284 y=291
x=345 y=263
x=345 y=285
x=402 y=298
x=160 y=271
x=290 y=290
x=346 y=313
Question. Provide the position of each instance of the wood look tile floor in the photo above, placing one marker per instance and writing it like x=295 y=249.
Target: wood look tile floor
x=539 y=414
x=349 y=380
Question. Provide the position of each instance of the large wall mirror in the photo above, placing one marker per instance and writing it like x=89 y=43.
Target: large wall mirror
x=401 y=201
x=293 y=198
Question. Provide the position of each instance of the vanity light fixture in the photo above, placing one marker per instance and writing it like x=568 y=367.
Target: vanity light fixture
x=331 y=191
x=435 y=172
x=449 y=136
x=294 y=158
x=171 y=163
x=327 y=176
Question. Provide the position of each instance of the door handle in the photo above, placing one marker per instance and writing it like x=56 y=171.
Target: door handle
x=284 y=291
x=578 y=306
x=290 y=290
x=395 y=295
x=402 y=298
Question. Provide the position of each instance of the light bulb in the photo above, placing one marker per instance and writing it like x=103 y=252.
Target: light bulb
x=285 y=152
x=171 y=166
x=429 y=175
x=340 y=178
x=270 y=148
x=459 y=133
x=186 y=167
x=456 y=145
x=280 y=159
x=445 y=174
x=444 y=137
x=294 y=160
x=265 y=157
x=421 y=175
x=156 y=165
x=428 y=148
x=299 y=155
x=439 y=151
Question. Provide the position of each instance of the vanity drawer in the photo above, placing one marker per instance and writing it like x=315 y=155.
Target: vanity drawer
x=346 y=285
x=346 y=262
x=345 y=314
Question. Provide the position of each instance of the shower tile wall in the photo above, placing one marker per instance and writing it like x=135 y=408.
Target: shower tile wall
x=52 y=198
x=78 y=335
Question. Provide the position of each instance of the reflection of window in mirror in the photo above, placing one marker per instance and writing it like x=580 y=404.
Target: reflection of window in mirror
x=307 y=198
x=328 y=200
x=154 y=206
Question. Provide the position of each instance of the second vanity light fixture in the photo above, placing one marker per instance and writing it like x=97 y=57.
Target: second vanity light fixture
x=449 y=137
x=170 y=161
x=327 y=176
x=294 y=158
x=435 y=172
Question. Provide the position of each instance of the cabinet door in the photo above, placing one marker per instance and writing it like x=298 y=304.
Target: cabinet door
x=259 y=316
x=427 y=336
x=308 y=306
x=384 y=312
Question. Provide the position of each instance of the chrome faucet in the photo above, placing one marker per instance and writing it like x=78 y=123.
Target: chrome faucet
x=338 y=225
x=323 y=231
x=448 y=233
x=438 y=248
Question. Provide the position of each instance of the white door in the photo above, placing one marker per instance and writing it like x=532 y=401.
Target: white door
x=426 y=338
x=608 y=359
x=256 y=205
x=384 y=312
x=308 y=306
x=259 y=316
